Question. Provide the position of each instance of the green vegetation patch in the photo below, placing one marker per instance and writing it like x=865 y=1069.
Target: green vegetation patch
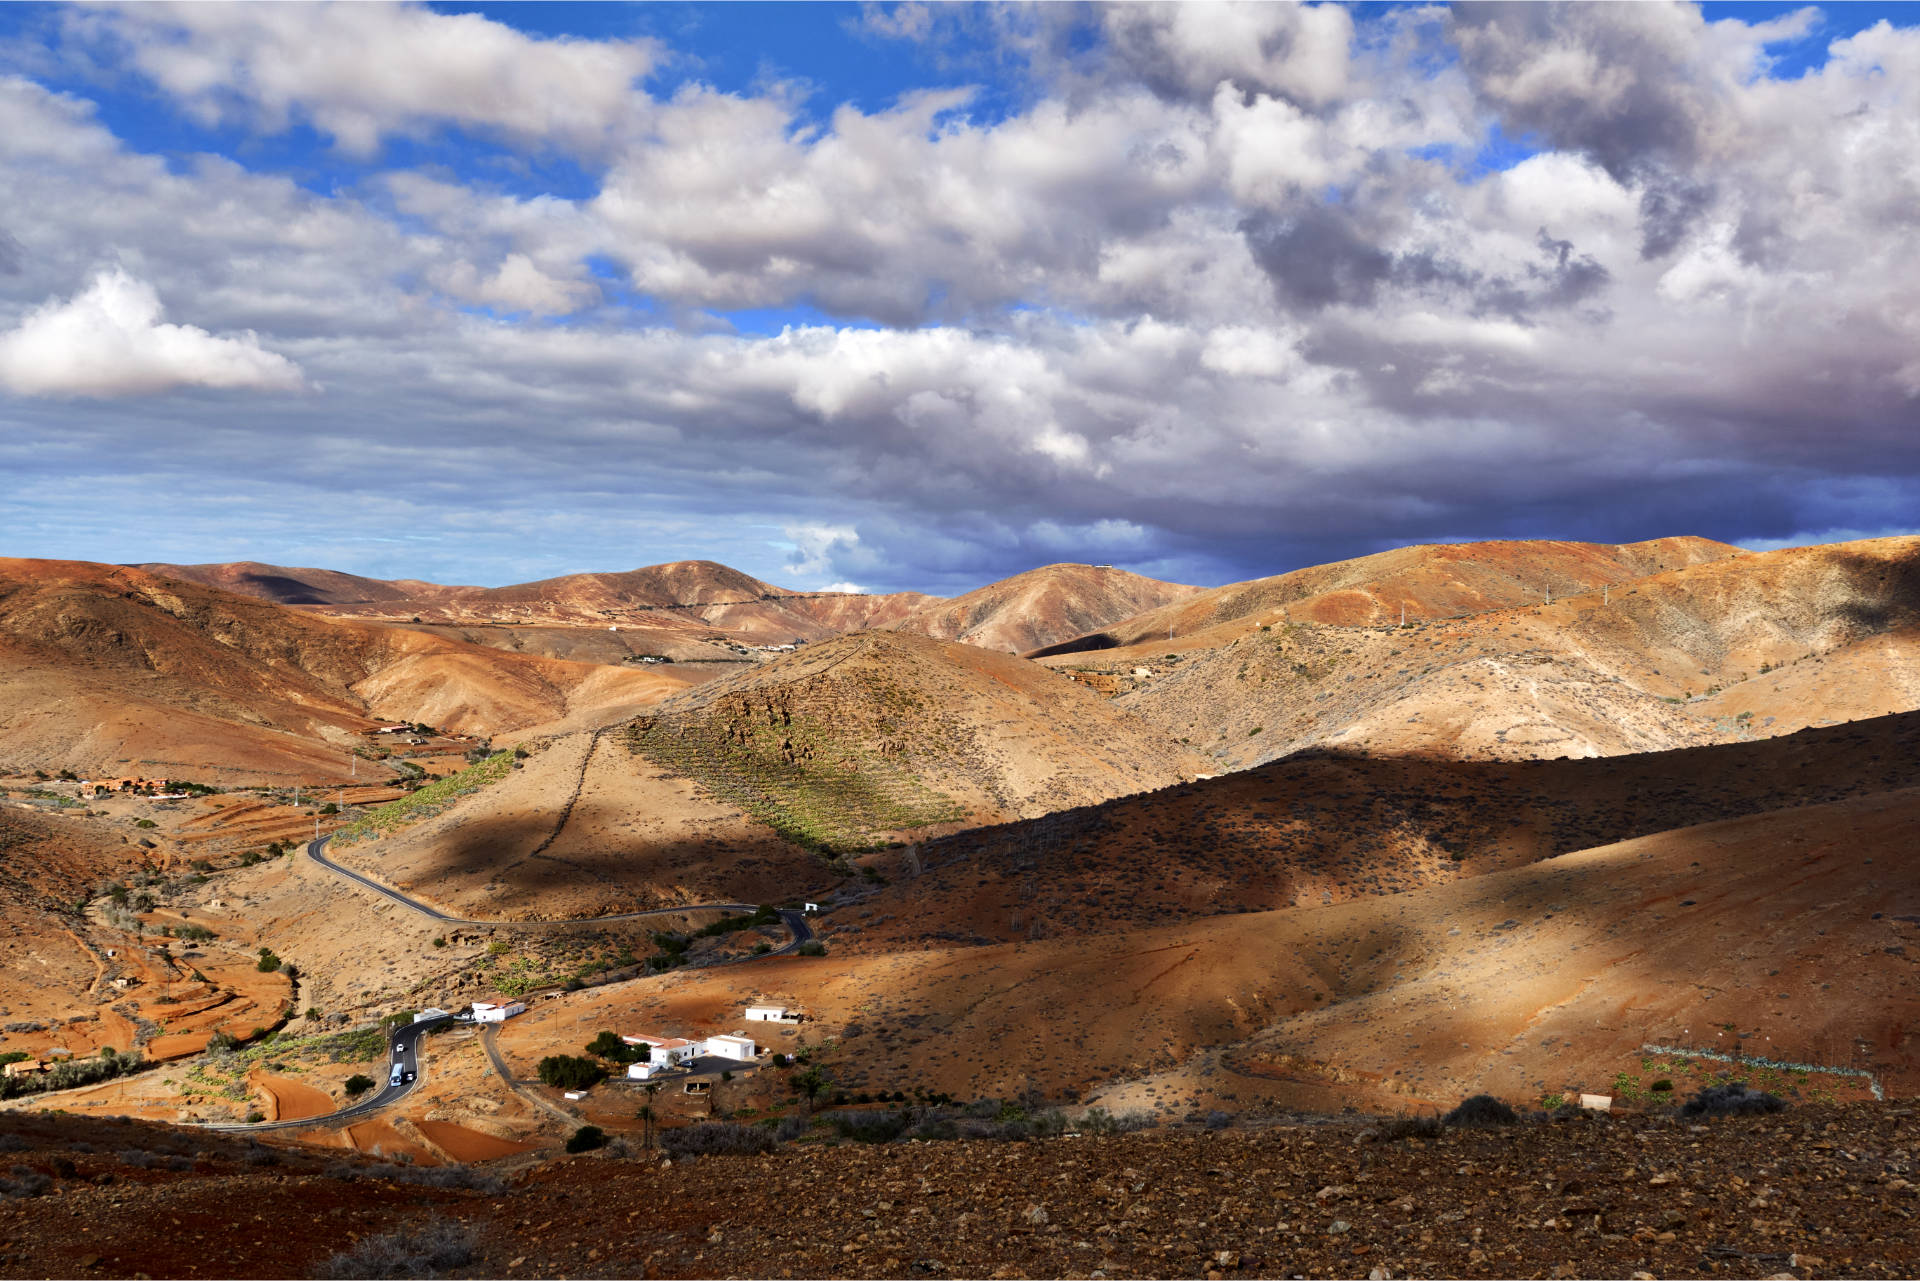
x=811 y=781
x=428 y=801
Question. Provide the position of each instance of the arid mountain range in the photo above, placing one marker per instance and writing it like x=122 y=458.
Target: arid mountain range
x=1300 y=856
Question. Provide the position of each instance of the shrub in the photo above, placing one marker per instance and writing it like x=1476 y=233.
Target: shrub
x=24 y=1183
x=869 y=1127
x=1662 y=1086
x=422 y=1251
x=1410 y=1127
x=1218 y=1120
x=1100 y=1121
x=1481 y=1112
x=609 y=1046
x=268 y=962
x=813 y=947
x=586 y=1139
x=358 y=1084
x=144 y=822
x=1732 y=1099
x=570 y=1072
x=12 y=1143
x=717 y=1138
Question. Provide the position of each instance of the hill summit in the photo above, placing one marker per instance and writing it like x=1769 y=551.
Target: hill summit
x=1043 y=607
x=864 y=738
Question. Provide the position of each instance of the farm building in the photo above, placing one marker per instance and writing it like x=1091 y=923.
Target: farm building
x=740 y=1049
x=664 y=1054
x=772 y=1014
x=488 y=1012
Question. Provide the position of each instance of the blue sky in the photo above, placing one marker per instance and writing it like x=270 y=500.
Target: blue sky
x=905 y=297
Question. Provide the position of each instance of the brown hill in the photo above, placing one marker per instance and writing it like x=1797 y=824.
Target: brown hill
x=1324 y=827
x=1042 y=607
x=1649 y=665
x=1762 y=934
x=292 y=586
x=689 y=596
x=585 y=828
x=865 y=737
x=1440 y=580
x=104 y=667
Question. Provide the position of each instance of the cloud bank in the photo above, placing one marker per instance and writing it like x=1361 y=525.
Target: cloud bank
x=1208 y=290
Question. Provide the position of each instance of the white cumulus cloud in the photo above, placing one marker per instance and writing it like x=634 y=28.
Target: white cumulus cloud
x=363 y=71
x=110 y=341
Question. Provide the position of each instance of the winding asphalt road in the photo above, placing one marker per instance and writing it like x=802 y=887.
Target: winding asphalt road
x=405 y=1053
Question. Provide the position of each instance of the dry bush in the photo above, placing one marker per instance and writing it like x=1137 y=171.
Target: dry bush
x=717 y=1138
x=423 y=1251
x=1481 y=1112
x=1410 y=1127
x=1732 y=1099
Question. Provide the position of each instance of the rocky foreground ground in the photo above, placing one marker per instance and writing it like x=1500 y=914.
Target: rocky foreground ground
x=1812 y=1192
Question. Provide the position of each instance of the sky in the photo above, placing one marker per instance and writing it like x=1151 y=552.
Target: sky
x=903 y=296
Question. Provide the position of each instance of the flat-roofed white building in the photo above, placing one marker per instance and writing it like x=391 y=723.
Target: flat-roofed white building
x=772 y=1014
x=664 y=1053
x=740 y=1049
x=488 y=1012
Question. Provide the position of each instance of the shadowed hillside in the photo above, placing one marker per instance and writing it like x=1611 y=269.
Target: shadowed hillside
x=1323 y=828
x=290 y=586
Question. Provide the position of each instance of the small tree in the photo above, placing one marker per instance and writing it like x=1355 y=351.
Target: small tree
x=812 y=1083
x=268 y=962
x=569 y=1072
x=646 y=1109
x=587 y=1138
x=609 y=1046
x=358 y=1084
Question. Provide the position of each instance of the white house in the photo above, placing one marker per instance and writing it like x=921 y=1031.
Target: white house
x=664 y=1053
x=772 y=1014
x=740 y=1049
x=488 y=1012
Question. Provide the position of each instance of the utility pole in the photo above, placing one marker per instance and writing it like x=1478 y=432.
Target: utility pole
x=1549 y=593
x=1403 y=613
x=1606 y=593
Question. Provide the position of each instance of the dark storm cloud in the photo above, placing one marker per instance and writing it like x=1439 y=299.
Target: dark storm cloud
x=1321 y=256
x=1670 y=205
x=1317 y=257
x=1618 y=83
